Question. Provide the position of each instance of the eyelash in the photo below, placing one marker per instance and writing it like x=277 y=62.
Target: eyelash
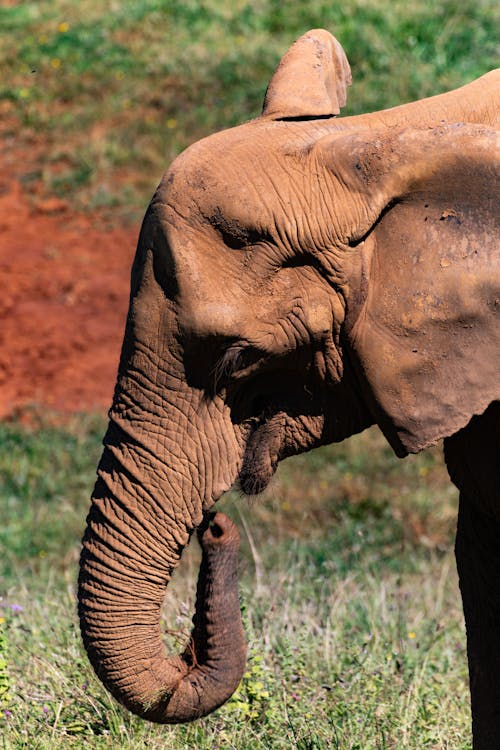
x=235 y=243
x=298 y=261
x=247 y=238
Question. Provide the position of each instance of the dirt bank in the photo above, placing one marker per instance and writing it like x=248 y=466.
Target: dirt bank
x=65 y=283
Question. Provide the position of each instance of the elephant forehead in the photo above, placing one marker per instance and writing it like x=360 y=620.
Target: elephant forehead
x=239 y=177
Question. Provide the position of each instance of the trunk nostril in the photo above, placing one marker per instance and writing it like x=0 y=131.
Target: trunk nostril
x=216 y=530
x=220 y=529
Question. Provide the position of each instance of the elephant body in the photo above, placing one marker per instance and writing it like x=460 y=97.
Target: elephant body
x=297 y=279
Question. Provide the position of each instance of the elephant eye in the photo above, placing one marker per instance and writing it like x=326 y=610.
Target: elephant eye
x=234 y=241
x=303 y=259
x=238 y=238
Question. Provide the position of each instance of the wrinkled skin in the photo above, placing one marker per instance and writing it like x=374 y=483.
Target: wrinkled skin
x=297 y=279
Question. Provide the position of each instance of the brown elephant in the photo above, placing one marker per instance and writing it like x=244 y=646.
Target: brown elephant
x=297 y=279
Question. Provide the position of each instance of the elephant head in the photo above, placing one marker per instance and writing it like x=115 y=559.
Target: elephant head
x=297 y=279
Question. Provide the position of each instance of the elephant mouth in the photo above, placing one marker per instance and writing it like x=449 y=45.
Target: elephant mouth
x=282 y=405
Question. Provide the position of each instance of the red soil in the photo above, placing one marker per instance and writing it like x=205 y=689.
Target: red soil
x=65 y=284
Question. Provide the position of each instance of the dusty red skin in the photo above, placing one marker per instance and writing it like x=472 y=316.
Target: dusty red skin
x=188 y=686
x=297 y=278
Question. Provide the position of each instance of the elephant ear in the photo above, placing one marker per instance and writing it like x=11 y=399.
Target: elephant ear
x=310 y=81
x=426 y=333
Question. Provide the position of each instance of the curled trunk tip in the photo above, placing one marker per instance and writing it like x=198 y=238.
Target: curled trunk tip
x=129 y=657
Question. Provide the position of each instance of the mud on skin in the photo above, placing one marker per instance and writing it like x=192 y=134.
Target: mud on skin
x=294 y=282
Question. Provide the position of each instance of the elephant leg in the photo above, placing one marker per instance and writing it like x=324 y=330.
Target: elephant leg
x=473 y=459
x=478 y=561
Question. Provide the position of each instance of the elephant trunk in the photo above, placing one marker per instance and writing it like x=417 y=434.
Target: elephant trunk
x=127 y=559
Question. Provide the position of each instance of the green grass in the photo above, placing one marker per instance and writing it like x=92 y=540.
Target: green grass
x=116 y=93
x=348 y=589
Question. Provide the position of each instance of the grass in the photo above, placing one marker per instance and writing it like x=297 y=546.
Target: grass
x=348 y=589
x=103 y=100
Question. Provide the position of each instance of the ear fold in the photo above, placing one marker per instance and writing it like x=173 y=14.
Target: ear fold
x=425 y=216
x=311 y=79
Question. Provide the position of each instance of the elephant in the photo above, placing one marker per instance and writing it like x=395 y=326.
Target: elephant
x=298 y=278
